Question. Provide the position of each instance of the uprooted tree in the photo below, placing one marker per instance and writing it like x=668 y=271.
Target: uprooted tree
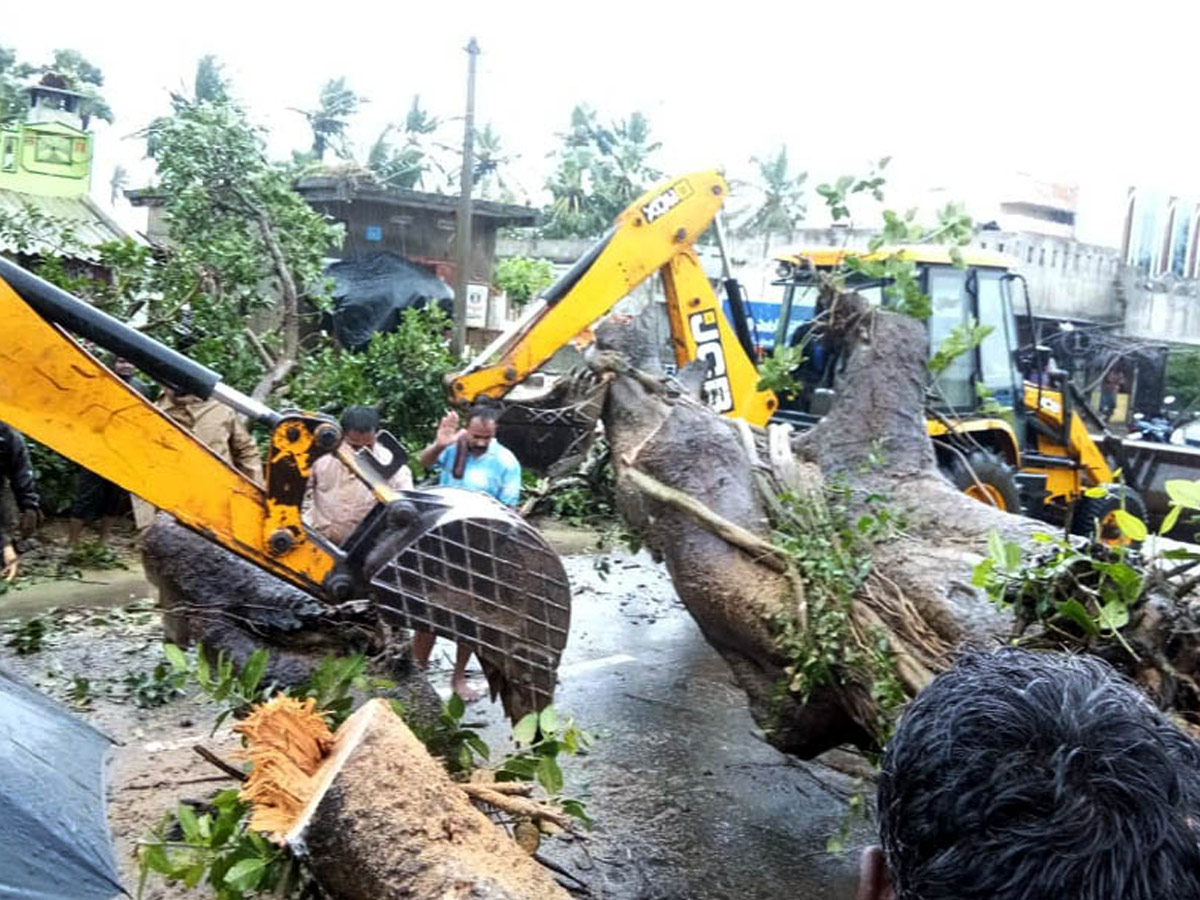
x=834 y=570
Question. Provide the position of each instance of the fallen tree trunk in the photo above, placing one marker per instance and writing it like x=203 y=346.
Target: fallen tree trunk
x=864 y=511
x=213 y=598
x=374 y=814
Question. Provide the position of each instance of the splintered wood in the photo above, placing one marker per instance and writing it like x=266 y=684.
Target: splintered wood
x=287 y=741
x=374 y=814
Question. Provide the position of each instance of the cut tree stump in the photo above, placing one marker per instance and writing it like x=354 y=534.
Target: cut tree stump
x=374 y=815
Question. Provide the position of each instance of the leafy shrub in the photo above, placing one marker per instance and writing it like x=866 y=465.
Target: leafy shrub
x=400 y=373
x=522 y=278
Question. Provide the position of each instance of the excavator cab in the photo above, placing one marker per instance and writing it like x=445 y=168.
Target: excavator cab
x=1008 y=427
x=978 y=291
x=977 y=411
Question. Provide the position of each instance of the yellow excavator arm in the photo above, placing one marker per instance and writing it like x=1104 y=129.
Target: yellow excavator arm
x=657 y=233
x=62 y=396
x=443 y=560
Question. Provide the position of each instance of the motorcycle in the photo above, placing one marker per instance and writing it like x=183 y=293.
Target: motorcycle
x=1156 y=429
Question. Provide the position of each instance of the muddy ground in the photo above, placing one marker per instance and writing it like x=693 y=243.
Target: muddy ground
x=689 y=802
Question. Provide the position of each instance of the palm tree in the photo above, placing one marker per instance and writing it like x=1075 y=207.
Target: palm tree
x=628 y=172
x=601 y=170
x=328 y=121
x=783 y=206
x=406 y=166
x=490 y=160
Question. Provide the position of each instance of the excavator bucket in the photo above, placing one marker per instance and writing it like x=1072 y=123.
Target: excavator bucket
x=550 y=434
x=464 y=567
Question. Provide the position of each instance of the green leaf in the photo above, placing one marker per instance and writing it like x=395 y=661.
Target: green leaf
x=1012 y=556
x=253 y=671
x=1127 y=579
x=194 y=873
x=549 y=775
x=1179 y=553
x=526 y=730
x=1075 y=611
x=548 y=720
x=477 y=744
x=203 y=673
x=154 y=858
x=246 y=874
x=576 y=809
x=1183 y=492
x=570 y=741
x=188 y=823
x=1170 y=520
x=1041 y=537
x=1096 y=493
x=456 y=707
x=983 y=572
x=1114 y=615
x=176 y=657
x=996 y=549
x=1131 y=526
x=520 y=767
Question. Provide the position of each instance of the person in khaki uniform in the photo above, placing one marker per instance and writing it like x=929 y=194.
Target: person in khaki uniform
x=217 y=427
x=337 y=501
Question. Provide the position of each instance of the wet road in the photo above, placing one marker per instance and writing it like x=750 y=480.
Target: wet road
x=688 y=802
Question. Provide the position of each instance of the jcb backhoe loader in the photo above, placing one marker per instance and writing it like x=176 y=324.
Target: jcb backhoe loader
x=443 y=560
x=1042 y=437
x=1020 y=443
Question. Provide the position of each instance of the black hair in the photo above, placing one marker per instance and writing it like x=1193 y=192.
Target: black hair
x=1031 y=776
x=484 y=412
x=360 y=418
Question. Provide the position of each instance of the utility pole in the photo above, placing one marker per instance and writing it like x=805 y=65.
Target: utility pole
x=463 y=237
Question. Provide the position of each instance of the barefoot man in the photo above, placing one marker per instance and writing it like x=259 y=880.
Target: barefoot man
x=470 y=458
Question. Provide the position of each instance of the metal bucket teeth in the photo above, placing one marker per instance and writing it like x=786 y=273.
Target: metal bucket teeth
x=473 y=571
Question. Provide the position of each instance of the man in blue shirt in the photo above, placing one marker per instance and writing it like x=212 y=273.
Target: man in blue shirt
x=470 y=458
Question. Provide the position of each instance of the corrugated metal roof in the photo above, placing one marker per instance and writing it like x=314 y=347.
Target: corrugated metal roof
x=91 y=225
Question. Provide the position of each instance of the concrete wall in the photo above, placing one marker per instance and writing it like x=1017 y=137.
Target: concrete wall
x=1161 y=309
x=421 y=235
x=1066 y=278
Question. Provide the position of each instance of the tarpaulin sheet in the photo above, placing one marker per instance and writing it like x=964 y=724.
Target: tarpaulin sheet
x=371 y=293
x=54 y=838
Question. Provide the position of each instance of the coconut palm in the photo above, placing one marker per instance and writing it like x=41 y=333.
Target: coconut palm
x=783 y=205
x=329 y=120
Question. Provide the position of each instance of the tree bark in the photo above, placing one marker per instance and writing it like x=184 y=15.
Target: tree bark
x=871 y=450
x=375 y=815
x=215 y=599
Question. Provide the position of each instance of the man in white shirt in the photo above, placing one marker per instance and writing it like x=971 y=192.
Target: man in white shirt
x=337 y=501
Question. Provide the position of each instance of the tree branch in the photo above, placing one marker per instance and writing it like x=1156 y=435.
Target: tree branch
x=266 y=358
x=735 y=534
x=516 y=805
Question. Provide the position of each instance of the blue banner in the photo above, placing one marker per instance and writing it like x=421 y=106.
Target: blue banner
x=765 y=320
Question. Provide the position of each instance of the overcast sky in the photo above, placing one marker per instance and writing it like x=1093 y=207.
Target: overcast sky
x=959 y=94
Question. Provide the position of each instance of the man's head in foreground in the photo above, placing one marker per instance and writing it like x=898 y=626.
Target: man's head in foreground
x=1036 y=776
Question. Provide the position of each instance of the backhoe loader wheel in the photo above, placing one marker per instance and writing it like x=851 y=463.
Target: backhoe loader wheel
x=993 y=481
x=1089 y=512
